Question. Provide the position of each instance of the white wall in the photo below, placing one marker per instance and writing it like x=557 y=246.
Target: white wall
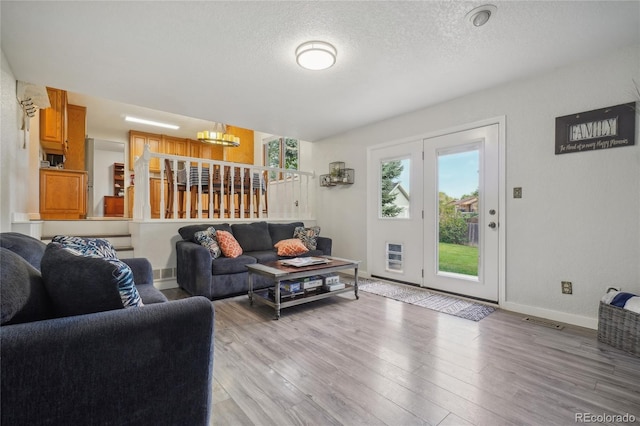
x=579 y=218
x=103 y=161
x=14 y=152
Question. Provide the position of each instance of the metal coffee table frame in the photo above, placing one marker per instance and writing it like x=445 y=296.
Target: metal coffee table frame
x=279 y=273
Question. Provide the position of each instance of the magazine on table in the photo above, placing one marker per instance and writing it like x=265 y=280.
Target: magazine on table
x=305 y=261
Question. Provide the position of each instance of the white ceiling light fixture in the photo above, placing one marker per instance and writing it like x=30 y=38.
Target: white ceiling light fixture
x=150 y=122
x=316 y=55
x=481 y=15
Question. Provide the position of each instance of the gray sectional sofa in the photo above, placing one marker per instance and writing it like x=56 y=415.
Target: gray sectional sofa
x=146 y=365
x=200 y=275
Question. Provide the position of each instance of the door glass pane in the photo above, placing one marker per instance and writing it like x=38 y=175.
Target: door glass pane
x=395 y=188
x=458 y=184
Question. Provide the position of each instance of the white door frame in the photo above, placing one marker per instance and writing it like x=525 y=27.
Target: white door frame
x=372 y=188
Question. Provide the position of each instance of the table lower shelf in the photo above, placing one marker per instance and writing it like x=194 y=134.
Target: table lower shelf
x=264 y=296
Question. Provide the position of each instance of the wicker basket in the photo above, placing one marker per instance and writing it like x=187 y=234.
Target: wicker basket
x=619 y=328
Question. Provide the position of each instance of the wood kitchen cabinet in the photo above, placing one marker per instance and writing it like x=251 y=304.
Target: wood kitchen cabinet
x=63 y=194
x=244 y=152
x=137 y=141
x=154 y=199
x=154 y=187
x=118 y=179
x=76 y=133
x=53 y=123
x=206 y=151
x=175 y=146
x=113 y=206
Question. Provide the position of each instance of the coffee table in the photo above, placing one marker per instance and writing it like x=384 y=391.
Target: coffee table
x=279 y=272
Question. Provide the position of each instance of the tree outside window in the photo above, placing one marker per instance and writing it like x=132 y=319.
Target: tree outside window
x=390 y=172
x=281 y=153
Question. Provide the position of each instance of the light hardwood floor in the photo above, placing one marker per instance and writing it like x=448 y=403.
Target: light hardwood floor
x=377 y=361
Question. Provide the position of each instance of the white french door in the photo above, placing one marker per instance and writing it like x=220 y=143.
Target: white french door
x=434 y=219
x=396 y=212
x=461 y=189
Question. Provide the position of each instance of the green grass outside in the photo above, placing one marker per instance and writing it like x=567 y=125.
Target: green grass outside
x=459 y=259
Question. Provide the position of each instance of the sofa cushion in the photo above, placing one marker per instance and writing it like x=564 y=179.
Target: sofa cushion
x=252 y=236
x=84 y=246
x=208 y=239
x=149 y=294
x=23 y=297
x=228 y=265
x=290 y=247
x=27 y=247
x=264 y=256
x=228 y=244
x=308 y=236
x=81 y=284
x=282 y=231
x=188 y=232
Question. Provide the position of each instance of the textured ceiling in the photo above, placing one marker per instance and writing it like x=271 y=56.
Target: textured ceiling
x=234 y=61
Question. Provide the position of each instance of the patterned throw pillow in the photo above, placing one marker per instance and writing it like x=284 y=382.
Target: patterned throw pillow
x=123 y=275
x=102 y=249
x=308 y=236
x=97 y=247
x=290 y=247
x=228 y=244
x=207 y=238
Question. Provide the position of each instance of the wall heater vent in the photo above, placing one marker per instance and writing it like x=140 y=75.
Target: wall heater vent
x=544 y=323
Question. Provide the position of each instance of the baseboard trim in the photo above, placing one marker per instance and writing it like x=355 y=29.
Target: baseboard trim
x=165 y=284
x=579 y=320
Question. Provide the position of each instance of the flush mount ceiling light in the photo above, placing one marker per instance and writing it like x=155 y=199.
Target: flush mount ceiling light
x=150 y=122
x=481 y=15
x=316 y=55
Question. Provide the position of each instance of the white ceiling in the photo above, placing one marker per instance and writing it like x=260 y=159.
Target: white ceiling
x=234 y=61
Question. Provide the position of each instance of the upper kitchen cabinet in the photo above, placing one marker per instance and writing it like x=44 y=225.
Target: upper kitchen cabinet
x=76 y=135
x=137 y=141
x=53 y=123
x=176 y=146
x=206 y=151
x=244 y=152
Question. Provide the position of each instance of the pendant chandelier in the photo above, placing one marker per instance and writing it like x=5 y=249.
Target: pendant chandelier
x=219 y=136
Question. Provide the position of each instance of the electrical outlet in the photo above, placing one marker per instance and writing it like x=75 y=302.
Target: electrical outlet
x=567 y=287
x=517 y=192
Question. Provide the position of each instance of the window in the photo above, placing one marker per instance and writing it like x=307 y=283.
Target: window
x=395 y=192
x=282 y=153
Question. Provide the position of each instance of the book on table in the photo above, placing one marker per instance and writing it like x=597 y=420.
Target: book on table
x=305 y=261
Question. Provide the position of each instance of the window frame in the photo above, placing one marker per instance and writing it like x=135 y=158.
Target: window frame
x=282 y=149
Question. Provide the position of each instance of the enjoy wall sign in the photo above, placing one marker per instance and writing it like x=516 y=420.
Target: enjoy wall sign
x=605 y=128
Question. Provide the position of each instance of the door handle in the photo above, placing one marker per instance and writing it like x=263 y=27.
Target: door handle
x=492 y=225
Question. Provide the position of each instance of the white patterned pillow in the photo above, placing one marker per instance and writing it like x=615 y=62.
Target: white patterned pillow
x=308 y=236
x=208 y=239
x=97 y=247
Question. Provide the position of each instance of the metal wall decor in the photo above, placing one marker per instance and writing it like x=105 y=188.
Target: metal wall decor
x=338 y=175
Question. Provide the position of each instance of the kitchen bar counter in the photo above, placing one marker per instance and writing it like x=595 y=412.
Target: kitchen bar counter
x=63 y=194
